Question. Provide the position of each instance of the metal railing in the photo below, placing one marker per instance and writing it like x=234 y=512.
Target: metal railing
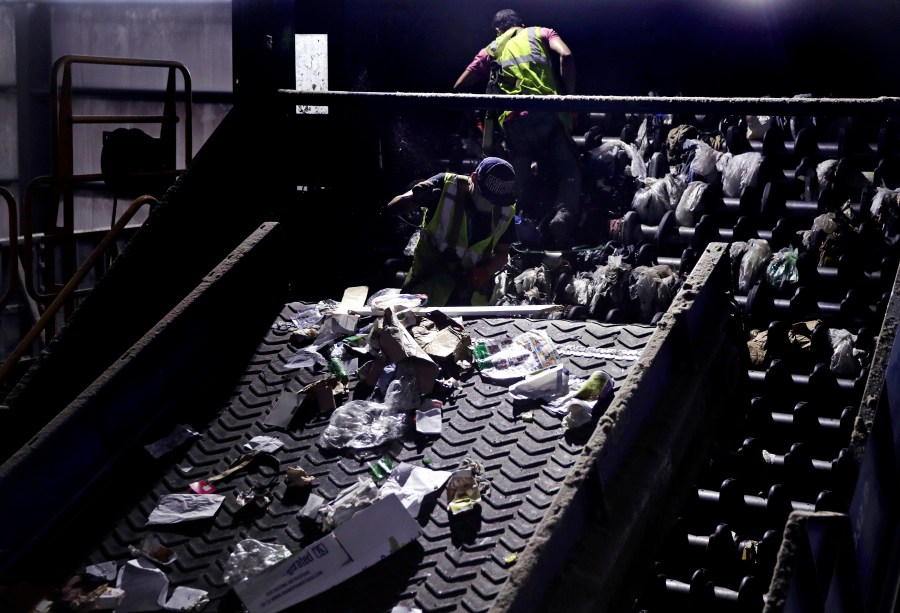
x=13 y=247
x=71 y=287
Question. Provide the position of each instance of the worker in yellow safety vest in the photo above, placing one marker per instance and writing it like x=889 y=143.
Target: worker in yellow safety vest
x=465 y=235
x=521 y=60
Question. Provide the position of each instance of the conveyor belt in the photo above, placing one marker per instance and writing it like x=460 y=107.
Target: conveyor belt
x=459 y=562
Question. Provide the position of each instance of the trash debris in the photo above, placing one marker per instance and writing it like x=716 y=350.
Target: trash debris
x=381 y=468
x=347 y=503
x=466 y=486
x=397 y=344
x=105 y=571
x=203 y=487
x=402 y=393
x=544 y=384
x=146 y=588
x=263 y=444
x=311 y=509
x=154 y=551
x=372 y=534
x=528 y=352
x=256 y=497
x=354 y=298
x=85 y=593
x=243 y=461
x=578 y=406
x=510 y=559
x=296 y=477
x=251 y=557
x=180 y=434
x=176 y=508
x=782 y=269
x=393 y=298
x=428 y=416
x=411 y=484
x=360 y=424
x=305 y=357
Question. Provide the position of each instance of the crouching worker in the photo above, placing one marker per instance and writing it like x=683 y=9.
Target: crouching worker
x=466 y=233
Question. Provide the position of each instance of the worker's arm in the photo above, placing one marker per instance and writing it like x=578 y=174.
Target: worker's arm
x=422 y=194
x=401 y=203
x=467 y=80
x=478 y=71
x=566 y=63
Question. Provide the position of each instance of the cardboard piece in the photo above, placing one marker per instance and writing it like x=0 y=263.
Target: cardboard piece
x=354 y=298
x=366 y=538
x=449 y=344
x=398 y=344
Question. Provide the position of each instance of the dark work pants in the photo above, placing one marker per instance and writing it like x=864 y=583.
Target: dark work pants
x=541 y=136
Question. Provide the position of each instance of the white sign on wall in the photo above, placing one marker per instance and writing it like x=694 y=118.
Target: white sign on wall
x=311 y=68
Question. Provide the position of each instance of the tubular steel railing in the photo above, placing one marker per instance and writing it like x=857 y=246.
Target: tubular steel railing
x=63 y=173
x=71 y=288
x=13 y=247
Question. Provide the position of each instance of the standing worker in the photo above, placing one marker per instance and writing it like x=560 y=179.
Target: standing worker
x=522 y=59
x=466 y=233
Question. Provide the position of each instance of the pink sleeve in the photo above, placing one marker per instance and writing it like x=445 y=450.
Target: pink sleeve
x=548 y=34
x=480 y=66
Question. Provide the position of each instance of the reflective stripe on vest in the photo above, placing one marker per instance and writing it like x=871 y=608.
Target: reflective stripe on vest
x=525 y=64
x=441 y=223
x=450 y=218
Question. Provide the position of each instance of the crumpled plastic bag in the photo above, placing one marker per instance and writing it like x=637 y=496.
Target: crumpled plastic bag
x=402 y=394
x=657 y=197
x=705 y=160
x=689 y=204
x=251 y=557
x=360 y=424
x=753 y=263
x=758 y=125
x=885 y=209
x=782 y=269
x=844 y=360
x=606 y=160
x=653 y=288
x=739 y=172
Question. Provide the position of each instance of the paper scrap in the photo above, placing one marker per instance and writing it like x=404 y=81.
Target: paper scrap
x=179 y=435
x=186 y=599
x=412 y=483
x=354 y=298
x=105 y=571
x=311 y=509
x=263 y=444
x=372 y=534
x=146 y=588
x=175 y=508
x=428 y=416
x=305 y=357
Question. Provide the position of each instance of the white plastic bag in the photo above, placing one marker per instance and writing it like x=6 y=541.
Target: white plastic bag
x=689 y=203
x=740 y=172
x=360 y=424
x=753 y=263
